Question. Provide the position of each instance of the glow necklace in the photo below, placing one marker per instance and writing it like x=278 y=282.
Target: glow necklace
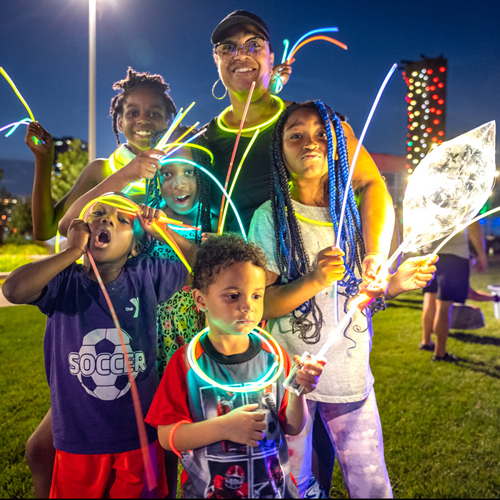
x=270 y=377
x=261 y=126
x=311 y=221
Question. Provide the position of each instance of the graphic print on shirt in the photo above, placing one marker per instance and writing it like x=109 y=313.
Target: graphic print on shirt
x=237 y=470
x=100 y=364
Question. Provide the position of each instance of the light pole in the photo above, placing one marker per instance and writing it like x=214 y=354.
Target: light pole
x=92 y=57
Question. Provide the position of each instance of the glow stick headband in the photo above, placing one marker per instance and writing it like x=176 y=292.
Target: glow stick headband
x=130 y=208
x=267 y=379
x=203 y=169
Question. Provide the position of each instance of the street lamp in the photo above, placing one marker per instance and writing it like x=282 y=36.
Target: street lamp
x=92 y=57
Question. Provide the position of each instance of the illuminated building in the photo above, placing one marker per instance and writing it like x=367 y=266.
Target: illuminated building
x=426 y=99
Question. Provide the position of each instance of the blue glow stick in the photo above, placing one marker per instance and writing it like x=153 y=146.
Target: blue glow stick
x=286 y=43
x=351 y=171
x=221 y=187
x=312 y=32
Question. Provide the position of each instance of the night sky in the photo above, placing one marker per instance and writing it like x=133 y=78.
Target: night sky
x=44 y=48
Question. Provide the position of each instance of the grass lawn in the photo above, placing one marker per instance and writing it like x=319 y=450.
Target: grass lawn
x=441 y=421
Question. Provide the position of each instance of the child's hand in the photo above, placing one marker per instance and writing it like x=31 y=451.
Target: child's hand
x=148 y=215
x=245 y=425
x=78 y=235
x=143 y=166
x=371 y=267
x=412 y=274
x=330 y=266
x=205 y=236
x=39 y=140
x=308 y=376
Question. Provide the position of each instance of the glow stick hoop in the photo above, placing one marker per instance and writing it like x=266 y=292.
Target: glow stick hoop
x=351 y=172
x=172 y=151
x=249 y=98
x=14 y=88
x=150 y=474
x=267 y=379
x=312 y=39
x=250 y=144
x=310 y=33
x=131 y=208
x=13 y=126
x=221 y=187
x=286 y=43
x=179 y=139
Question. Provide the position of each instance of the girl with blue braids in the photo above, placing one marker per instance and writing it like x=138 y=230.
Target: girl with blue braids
x=296 y=229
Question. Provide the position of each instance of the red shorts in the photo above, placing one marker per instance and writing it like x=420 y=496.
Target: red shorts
x=113 y=475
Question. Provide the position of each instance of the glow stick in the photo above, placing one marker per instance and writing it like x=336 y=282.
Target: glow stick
x=171 y=152
x=310 y=33
x=14 y=88
x=150 y=474
x=250 y=144
x=221 y=187
x=267 y=379
x=219 y=230
x=13 y=126
x=179 y=139
x=286 y=43
x=312 y=39
x=351 y=172
x=180 y=115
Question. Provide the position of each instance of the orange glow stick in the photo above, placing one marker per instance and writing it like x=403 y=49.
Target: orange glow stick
x=312 y=39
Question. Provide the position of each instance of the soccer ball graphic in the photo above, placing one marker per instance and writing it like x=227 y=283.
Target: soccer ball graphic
x=100 y=364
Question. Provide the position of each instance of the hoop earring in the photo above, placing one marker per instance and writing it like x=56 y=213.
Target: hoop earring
x=213 y=90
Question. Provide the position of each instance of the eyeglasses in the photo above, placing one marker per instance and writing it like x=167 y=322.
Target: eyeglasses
x=251 y=47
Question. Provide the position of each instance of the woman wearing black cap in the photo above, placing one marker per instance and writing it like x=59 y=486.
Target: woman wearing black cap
x=243 y=54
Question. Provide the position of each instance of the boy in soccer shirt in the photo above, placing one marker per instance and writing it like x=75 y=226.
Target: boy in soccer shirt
x=95 y=433
x=236 y=439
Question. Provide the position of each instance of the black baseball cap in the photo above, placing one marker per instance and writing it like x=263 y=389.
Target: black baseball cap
x=240 y=17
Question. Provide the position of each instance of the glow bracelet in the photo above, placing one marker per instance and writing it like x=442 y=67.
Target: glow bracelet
x=13 y=126
x=192 y=138
x=195 y=146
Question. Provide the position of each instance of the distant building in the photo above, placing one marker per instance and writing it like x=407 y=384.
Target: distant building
x=426 y=98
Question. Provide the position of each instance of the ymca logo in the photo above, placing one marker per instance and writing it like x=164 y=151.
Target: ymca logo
x=100 y=364
x=136 y=305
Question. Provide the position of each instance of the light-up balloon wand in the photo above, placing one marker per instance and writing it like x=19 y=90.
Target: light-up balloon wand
x=446 y=190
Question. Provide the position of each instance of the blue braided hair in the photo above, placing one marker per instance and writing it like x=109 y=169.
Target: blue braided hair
x=292 y=257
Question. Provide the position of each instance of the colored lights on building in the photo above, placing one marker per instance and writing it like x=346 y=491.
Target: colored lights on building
x=426 y=98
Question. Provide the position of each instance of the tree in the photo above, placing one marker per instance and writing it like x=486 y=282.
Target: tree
x=20 y=220
x=68 y=166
